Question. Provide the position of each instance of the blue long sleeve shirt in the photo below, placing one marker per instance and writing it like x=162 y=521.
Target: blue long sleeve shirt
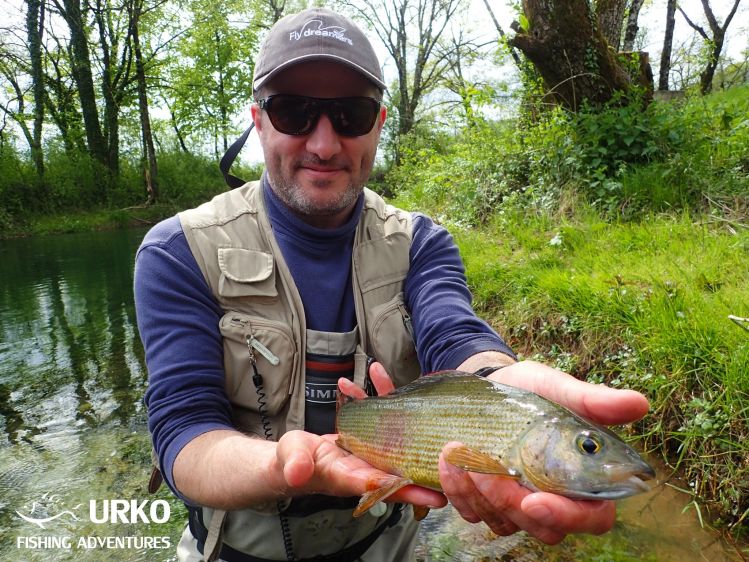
x=178 y=316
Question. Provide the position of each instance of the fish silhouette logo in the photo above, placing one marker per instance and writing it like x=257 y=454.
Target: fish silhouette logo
x=47 y=509
x=317 y=28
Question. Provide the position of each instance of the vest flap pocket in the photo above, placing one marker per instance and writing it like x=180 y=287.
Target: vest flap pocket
x=246 y=273
x=271 y=345
x=392 y=340
x=382 y=261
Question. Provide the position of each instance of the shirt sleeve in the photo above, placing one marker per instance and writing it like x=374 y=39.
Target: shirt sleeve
x=178 y=321
x=446 y=328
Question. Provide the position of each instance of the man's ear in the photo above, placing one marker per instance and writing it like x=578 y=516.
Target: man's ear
x=383 y=116
x=255 y=113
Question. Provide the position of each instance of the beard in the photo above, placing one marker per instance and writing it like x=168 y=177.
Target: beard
x=303 y=203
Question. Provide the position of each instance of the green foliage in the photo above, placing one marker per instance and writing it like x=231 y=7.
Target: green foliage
x=628 y=161
x=463 y=179
x=65 y=202
x=211 y=78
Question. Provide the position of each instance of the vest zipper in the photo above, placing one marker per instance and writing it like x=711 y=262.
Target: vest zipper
x=407 y=321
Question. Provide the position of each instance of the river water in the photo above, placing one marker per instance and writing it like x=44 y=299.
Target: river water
x=74 y=447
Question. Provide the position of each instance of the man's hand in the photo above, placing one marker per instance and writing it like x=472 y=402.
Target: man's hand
x=313 y=464
x=506 y=506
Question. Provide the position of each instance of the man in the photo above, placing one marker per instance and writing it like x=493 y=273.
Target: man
x=251 y=307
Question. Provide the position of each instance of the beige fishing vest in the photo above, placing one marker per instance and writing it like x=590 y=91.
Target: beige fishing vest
x=233 y=244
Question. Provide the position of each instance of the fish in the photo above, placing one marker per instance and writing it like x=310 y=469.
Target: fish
x=505 y=431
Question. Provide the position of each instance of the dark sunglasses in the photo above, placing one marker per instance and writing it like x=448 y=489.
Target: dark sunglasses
x=298 y=115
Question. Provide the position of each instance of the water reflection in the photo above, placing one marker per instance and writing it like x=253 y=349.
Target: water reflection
x=67 y=326
x=72 y=378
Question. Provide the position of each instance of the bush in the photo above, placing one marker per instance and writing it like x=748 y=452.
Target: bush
x=626 y=160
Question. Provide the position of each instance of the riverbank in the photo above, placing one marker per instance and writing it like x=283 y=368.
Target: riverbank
x=89 y=221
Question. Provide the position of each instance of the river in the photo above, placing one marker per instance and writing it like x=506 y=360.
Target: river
x=74 y=446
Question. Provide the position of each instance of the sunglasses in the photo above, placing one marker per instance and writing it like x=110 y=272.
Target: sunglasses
x=298 y=115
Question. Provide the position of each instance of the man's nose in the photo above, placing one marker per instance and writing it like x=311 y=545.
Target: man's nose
x=323 y=141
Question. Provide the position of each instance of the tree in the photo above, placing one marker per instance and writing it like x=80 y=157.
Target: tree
x=630 y=31
x=460 y=54
x=149 y=152
x=668 y=40
x=80 y=62
x=211 y=76
x=34 y=33
x=713 y=43
x=610 y=15
x=502 y=35
x=563 y=41
x=411 y=31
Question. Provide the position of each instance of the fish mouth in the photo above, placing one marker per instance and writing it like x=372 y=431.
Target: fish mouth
x=634 y=484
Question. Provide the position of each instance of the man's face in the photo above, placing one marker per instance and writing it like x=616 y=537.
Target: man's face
x=319 y=175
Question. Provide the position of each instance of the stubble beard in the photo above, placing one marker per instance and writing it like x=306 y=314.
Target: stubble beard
x=294 y=196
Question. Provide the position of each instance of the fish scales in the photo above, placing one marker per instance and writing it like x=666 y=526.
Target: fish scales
x=504 y=430
x=405 y=432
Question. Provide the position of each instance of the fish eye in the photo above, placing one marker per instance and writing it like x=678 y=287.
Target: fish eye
x=589 y=443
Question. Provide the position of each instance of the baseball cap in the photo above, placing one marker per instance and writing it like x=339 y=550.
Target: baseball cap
x=316 y=34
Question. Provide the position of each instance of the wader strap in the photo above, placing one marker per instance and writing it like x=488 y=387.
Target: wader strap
x=214 y=536
x=228 y=159
x=349 y=554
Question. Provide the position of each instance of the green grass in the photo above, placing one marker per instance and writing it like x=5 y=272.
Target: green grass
x=641 y=305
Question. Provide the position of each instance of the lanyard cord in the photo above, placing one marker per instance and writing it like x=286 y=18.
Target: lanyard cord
x=262 y=403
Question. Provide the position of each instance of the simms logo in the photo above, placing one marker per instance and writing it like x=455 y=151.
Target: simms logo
x=308 y=30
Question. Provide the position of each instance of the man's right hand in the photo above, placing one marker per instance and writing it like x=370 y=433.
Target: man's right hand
x=226 y=469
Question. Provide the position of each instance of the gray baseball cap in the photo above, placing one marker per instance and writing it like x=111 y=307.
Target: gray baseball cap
x=316 y=34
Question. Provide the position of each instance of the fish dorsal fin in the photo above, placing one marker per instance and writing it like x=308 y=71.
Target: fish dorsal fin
x=476 y=461
x=385 y=488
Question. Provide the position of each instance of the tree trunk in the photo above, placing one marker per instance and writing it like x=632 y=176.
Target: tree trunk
x=222 y=102
x=610 y=15
x=151 y=170
x=570 y=53
x=34 y=31
x=175 y=126
x=630 y=34
x=62 y=103
x=668 y=40
x=83 y=76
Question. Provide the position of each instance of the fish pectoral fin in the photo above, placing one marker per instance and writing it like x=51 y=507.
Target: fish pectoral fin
x=476 y=461
x=420 y=512
x=385 y=488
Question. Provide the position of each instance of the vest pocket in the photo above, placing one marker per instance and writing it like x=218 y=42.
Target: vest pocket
x=271 y=344
x=392 y=340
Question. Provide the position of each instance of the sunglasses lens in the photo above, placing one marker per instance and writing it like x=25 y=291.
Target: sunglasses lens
x=353 y=117
x=298 y=115
x=293 y=115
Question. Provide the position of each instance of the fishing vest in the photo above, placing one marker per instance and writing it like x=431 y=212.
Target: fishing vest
x=233 y=244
